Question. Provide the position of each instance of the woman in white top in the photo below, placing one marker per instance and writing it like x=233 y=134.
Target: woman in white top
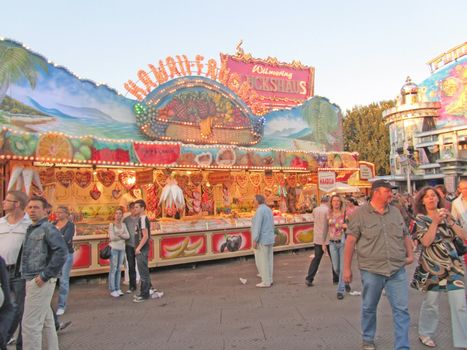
x=118 y=233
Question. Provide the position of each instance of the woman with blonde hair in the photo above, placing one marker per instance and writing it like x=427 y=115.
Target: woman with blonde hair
x=336 y=240
x=118 y=233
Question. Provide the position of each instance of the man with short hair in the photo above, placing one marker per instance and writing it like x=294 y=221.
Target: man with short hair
x=142 y=236
x=262 y=235
x=13 y=228
x=320 y=240
x=459 y=205
x=384 y=248
x=44 y=253
x=130 y=222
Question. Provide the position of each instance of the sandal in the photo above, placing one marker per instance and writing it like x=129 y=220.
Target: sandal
x=427 y=341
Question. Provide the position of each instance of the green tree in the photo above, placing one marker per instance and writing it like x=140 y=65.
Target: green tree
x=17 y=63
x=366 y=133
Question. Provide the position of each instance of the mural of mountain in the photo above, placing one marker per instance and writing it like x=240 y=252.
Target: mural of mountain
x=303 y=134
x=86 y=113
x=10 y=105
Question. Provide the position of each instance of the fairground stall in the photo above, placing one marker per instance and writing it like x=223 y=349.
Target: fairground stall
x=197 y=140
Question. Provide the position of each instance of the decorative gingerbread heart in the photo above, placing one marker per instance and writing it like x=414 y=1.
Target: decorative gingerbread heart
x=127 y=179
x=65 y=178
x=196 y=178
x=269 y=180
x=117 y=192
x=292 y=180
x=47 y=176
x=161 y=178
x=303 y=179
x=83 y=178
x=95 y=193
x=106 y=177
x=242 y=180
x=255 y=179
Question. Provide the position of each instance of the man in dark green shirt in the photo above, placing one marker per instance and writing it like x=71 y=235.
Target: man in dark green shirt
x=384 y=247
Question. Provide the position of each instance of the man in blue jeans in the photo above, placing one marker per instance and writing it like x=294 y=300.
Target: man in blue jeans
x=384 y=247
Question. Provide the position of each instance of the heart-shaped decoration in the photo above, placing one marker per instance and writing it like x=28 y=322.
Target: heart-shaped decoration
x=117 y=192
x=269 y=180
x=65 y=178
x=196 y=178
x=106 y=177
x=242 y=180
x=127 y=179
x=95 y=193
x=292 y=180
x=255 y=179
x=47 y=176
x=161 y=178
x=83 y=178
x=303 y=179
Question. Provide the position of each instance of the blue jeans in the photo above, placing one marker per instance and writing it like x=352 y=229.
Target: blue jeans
x=337 y=259
x=143 y=268
x=115 y=273
x=397 y=292
x=65 y=282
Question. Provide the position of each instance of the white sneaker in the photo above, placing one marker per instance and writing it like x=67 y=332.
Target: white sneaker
x=60 y=311
x=12 y=341
x=115 y=294
x=157 y=295
x=152 y=290
x=120 y=293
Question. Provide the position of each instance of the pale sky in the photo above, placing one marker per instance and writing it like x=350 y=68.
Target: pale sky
x=362 y=50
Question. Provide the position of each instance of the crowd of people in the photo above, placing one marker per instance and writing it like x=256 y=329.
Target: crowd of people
x=35 y=252
x=387 y=232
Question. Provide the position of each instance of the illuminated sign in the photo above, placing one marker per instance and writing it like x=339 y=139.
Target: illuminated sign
x=278 y=84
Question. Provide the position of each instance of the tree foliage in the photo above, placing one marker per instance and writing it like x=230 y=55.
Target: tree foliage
x=365 y=133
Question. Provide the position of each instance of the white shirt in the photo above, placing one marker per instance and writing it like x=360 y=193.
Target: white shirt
x=12 y=238
x=459 y=210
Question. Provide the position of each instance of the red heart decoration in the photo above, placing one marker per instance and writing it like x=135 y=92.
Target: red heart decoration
x=117 y=192
x=83 y=179
x=106 y=177
x=124 y=179
x=65 y=178
x=196 y=178
x=95 y=193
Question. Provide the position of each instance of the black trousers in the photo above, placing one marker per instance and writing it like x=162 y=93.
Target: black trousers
x=143 y=269
x=131 y=258
x=313 y=269
x=18 y=291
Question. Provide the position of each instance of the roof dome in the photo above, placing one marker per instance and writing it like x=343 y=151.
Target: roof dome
x=409 y=87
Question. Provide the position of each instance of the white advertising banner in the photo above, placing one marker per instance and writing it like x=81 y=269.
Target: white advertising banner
x=326 y=180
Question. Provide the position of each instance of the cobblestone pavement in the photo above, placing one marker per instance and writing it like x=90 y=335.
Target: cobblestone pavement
x=207 y=307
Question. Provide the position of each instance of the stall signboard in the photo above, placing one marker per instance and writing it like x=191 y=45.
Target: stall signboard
x=231 y=242
x=326 y=180
x=157 y=153
x=144 y=177
x=278 y=84
x=221 y=177
x=367 y=170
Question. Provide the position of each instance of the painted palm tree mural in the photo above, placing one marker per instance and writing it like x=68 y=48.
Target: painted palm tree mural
x=17 y=63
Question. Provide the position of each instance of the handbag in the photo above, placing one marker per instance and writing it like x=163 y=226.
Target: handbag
x=419 y=279
x=105 y=252
x=460 y=246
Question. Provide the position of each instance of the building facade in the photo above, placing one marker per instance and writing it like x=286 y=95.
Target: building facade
x=428 y=126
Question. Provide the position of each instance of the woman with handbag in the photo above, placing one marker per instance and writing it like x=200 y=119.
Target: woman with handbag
x=118 y=233
x=441 y=269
